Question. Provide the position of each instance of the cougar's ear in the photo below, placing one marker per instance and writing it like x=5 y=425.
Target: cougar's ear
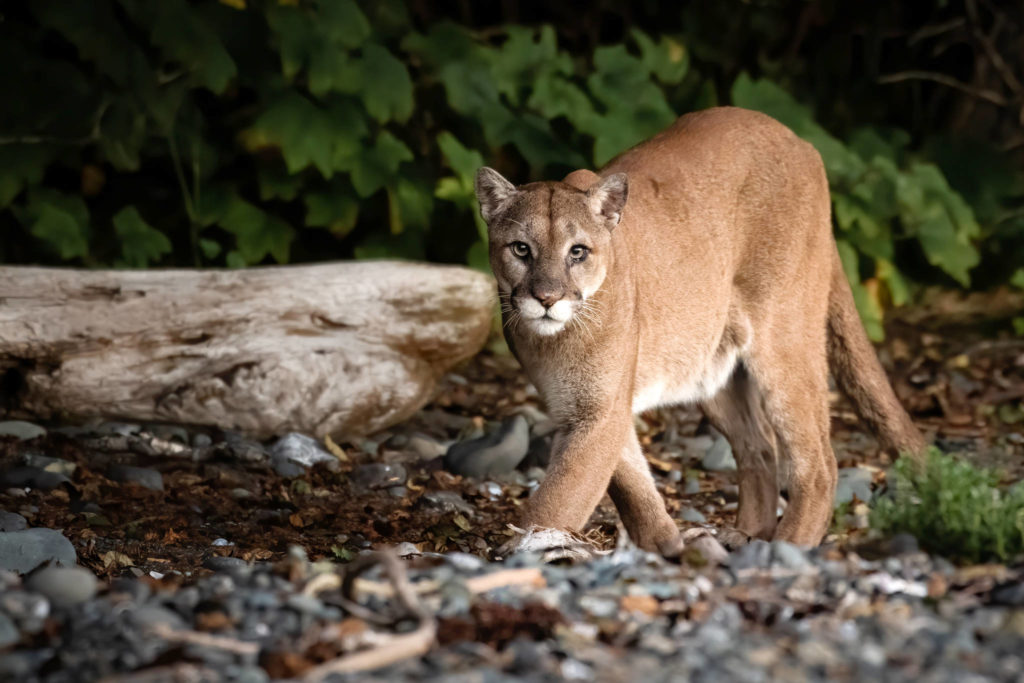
x=607 y=198
x=493 y=192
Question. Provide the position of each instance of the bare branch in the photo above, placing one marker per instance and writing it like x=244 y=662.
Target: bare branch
x=981 y=93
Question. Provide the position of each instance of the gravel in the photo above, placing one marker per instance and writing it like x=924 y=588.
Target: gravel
x=776 y=612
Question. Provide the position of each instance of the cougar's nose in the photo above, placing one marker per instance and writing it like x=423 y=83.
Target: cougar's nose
x=547 y=296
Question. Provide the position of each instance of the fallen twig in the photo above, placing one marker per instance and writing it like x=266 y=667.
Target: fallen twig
x=394 y=648
x=240 y=647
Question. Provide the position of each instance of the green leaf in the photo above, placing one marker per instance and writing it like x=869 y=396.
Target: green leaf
x=59 y=220
x=276 y=183
x=343 y=22
x=667 y=59
x=871 y=142
x=556 y=96
x=210 y=248
x=897 y=284
x=21 y=165
x=529 y=56
x=445 y=43
x=122 y=133
x=1017 y=279
x=478 y=256
x=373 y=167
x=93 y=28
x=187 y=39
x=940 y=219
x=335 y=210
x=464 y=161
x=406 y=245
x=257 y=233
x=308 y=135
x=410 y=205
x=141 y=243
x=386 y=86
x=635 y=106
x=234 y=259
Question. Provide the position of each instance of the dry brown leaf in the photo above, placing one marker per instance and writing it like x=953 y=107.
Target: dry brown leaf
x=334 y=449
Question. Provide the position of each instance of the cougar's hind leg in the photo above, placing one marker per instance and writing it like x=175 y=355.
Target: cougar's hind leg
x=793 y=379
x=737 y=412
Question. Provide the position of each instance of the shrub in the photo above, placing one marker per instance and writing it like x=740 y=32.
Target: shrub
x=953 y=508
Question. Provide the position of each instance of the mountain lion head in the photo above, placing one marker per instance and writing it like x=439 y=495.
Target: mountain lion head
x=550 y=245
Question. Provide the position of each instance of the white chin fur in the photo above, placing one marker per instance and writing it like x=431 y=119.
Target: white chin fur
x=546 y=327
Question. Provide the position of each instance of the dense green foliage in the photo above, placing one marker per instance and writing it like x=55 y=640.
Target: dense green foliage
x=953 y=508
x=237 y=133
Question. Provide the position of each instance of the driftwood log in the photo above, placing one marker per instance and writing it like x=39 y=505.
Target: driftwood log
x=341 y=349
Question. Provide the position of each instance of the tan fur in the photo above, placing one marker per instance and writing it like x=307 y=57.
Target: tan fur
x=711 y=276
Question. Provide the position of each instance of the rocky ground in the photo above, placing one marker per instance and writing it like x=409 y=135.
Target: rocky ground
x=181 y=554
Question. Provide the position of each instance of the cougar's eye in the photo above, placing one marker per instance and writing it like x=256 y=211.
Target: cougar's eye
x=578 y=253
x=520 y=249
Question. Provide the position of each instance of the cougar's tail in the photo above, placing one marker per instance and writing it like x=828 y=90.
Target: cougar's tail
x=860 y=376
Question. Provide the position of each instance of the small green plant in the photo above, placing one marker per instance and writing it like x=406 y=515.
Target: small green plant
x=953 y=508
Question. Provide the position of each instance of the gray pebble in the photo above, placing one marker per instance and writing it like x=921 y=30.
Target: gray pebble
x=500 y=451
x=691 y=515
x=143 y=476
x=147 y=616
x=306 y=604
x=692 y=485
x=21 y=429
x=377 y=476
x=788 y=555
x=9 y=634
x=63 y=586
x=45 y=462
x=33 y=478
x=219 y=564
x=301 y=449
x=756 y=554
x=447 y=501
x=424 y=447
x=23 y=551
x=853 y=481
x=719 y=457
x=287 y=468
x=12 y=521
x=201 y=440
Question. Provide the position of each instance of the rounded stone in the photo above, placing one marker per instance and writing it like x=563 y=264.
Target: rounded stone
x=21 y=429
x=63 y=586
x=23 y=551
x=12 y=521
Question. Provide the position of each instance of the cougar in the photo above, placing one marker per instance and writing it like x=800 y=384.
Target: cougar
x=698 y=266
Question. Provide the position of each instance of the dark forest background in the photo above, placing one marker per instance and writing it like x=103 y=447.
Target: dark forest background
x=244 y=132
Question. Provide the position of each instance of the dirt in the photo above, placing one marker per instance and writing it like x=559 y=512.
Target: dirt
x=963 y=389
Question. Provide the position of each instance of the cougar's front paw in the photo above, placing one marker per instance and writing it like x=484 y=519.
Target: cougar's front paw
x=552 y=545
